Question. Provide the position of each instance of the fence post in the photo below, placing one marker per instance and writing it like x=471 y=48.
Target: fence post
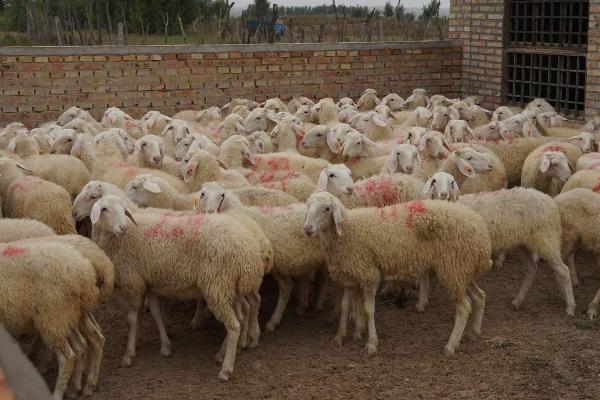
x=120 y=34
x=380 y=29
x=364 y=31
x=57 y=27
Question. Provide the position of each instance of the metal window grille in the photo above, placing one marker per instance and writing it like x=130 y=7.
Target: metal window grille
x=546 y=50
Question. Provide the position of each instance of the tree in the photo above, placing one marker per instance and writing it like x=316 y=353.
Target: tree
x=261 y=7
x=431 y=10
x=388 y=10
x=399 y=11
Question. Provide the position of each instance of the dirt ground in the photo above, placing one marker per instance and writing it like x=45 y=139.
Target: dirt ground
x=535 y=353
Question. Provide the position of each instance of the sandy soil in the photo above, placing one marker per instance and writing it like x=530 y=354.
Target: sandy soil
x=535 y=353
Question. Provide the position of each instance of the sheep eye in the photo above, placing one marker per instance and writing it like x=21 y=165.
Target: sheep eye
x=433 y=181
x=186 y=144
x=223 y=195
x=470 y=158
x=201 y=195
x=319 y=135
x=328 y=209
x=104 y=209
x=331 y=175
x=143 y=144
x=69 y=140
x=357 y=142
x=93 y=197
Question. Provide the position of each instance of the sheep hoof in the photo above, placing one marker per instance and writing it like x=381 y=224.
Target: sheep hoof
x=126 y=362
x=449 y=351
x=270 y=327
x=88 y=390
x=420 y=307
x=338 y=340
x=224 y=375
x=591 y=313
x=570 y=311
x=219 y=357
x=165 y=351
x=516 y=304
x=372 y=347
x=473 y=336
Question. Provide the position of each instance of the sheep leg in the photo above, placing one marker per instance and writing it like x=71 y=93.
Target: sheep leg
x=157 y=315
x=226 y=314
x=343 y=324
x=242 y=313
x=95 y=339
x=322 y=292
x=66 y=364
x=303 y=293
x=132 y=323
x=572 y=270
x=339 y=294
x=360 y=317
x=368 y=297
x=563 y=277
x=285 y=284
x=200 y=315
x=532 y=267
x=592 y=310
x=477 y=297
x=79 y=347
x=499 y=260
x=423 y=292
x=463 y=309
x=254 y=333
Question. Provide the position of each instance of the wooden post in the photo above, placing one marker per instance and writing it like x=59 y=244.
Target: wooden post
x=57 y=27
x=380 y=29
x=364 y=31
x=120 y=34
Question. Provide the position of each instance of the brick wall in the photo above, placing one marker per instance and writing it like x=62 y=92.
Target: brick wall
x=37 y=83
x=592 y=90
x=479 y=26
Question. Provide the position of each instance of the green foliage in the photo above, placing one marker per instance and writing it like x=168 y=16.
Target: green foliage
x=431 y=10
x=388 y=10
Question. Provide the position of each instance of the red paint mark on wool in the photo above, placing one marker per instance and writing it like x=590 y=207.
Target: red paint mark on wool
x=594 y=165
x=130 y=171
x=12 y=251
x=378 y=191
x=414 y=207
x=596 y=188
x=279 y=163
x=171 y=226
x=554 y=148
x=25 y=184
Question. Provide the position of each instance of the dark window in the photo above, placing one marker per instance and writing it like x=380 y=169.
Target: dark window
x=546 y=52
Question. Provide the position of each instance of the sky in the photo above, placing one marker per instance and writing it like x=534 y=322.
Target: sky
x=370 y=3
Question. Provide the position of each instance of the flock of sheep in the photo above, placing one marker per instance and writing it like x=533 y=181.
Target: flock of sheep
x=202 y=205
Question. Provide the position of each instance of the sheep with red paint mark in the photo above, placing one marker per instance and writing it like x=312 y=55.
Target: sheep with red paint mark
x=224 y=276
x=549 y=166
x=49 y=289
x=283 y=227
x=290 y=162
x=414 y=239
x=361 y=155
x=586 y=178
x=517 y=219
x=25 y=196
x=204 y=167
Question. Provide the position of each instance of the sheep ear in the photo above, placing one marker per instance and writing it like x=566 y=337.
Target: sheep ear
x=240 y=128
x=260 y=146
x=323 y=180
x=371 y=144
x=571 y=167
x=428 y=188
x=465 y=168
x=470 y=132
x=130 y=216
x=272 y=117
x=360 y=102
x=392 y=163
x=112 y=118
x=77 y=148
x=379 y=121
x=23 y=167
x=574 y=139
x=275 y=131
x=152 y=187
x=221 y=164
x=190 y=171
x=545 y=164
x=331 y=141
x=422 y=143
x=12 y=145
x=410 y=99
x=95 y=213
x=337 y=217
x=454 y=191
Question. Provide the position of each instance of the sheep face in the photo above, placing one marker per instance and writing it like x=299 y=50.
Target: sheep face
x=154 y=122
x=421 y=116
x=556 y=165
x=316 y=137
x=324 y=211
x=69 y=115
x=502 y=113
x=585 y=141
x=183 y=147
x=184 y=161
x=43 y=139
x=479 y=162
x=494 y=131
x=441 y=186
x=539 y=106
x=458 y=131
x=403 y=159
x=413 y=135
x=83 y=203
x=368 y=122
x=275 y=105
x=209 y=115
x=356 y=144
x=110 y=136
x=141 y=188
x=179 y=130
x=288 y=122
x=303 y=113
x=260 y=142
x=63 y=144
x=242 y=145
x=22 y=143
x=336 y=179
x=394 y=102
x=211 y=198
x=438 y=101
x=110 y=214
x=336 y=137
x=347 y=113
x=151 y=149
x=258 y=120
x=346 y=101
x=432 y=143
x=440 y=118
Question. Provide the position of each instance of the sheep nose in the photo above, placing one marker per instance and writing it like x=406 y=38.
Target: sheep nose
x=308 y=229
x=177 y=158
x=350 y=190
x=303 y=143
x=409 y=168
x=123 y=228
x=444 y=195
x=156 y=158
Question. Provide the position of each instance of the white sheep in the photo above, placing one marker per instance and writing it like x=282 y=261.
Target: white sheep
x=368 y=100
x=231 y=125
x=502 y=113
x=518 y=218
x=394 y=102
x=259 y=119
x=204 y=167
x=347 y=112
x=319 y=138
x=154 y=122
x=588 y=161
x=404 y=158
x=260 y=142
x=150 y=151
x=12 y=229
x=433 y=149
x=458 y=130
x=288 y=132
x=372 y=125
x=586 y=178
x=361 y=155
x=174 y=132
x=549 y=166
x=194 y=142
x=418 y=98
x=325 y=112
x=221 y=275
x=493 y=131
x=458 y=251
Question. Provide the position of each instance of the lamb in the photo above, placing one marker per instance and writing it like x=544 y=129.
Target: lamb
x=372 y=125
x=432 y=151
x=260 y=142
x=325 y=112
x=586 y=178
x=174 y=132
x=368 y=100
x=549 y=166
x=45 y=304
x=493 y=131
x=204 y=167
x=259 y=119
x=151 y=154
x=287 y=134
x=31 y=197
x=377 y=191
x=347 y=112
x=403 y=158
x=418 y=98
x=360 y=155
x=153 y=122
x=283 y=228
x=22 y=228
x=394 y=102
x=193 y=142
x=421 y=237
x=516 y=218
x=502 y=113
x=458 y=130
x=588 y=161
x=317 y=138
x=440 y=117
x=231 y=125
x=579 y=211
